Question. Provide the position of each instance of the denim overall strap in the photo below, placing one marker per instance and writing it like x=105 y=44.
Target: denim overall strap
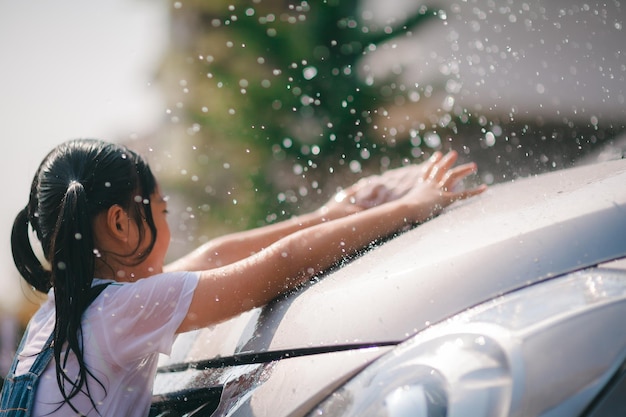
x=18 y=392
x=43 y=358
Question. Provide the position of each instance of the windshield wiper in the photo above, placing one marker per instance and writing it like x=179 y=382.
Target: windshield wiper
x=252 y=358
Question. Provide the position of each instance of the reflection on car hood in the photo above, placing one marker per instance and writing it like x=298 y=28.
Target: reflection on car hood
x=513 y=235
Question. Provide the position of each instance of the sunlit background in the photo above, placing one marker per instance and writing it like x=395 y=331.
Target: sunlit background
x=70 y=69
x=252 y=111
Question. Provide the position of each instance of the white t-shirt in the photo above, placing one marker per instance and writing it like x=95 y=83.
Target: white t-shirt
x=124 y=330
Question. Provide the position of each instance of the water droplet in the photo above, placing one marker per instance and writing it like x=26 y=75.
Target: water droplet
x=448 y=103
x=490 y=139
x=355 y=166
x=432 y=140
x=309 y=73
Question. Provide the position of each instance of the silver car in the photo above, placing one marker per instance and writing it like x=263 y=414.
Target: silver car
x=509 y=304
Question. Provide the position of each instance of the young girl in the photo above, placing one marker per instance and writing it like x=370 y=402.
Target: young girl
x=112 y=307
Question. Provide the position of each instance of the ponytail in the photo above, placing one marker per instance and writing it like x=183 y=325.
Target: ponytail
x=24 y=257
x=72 y=273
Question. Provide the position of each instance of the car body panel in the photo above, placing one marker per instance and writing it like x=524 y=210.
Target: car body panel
x=513 y=235
x=321 y=374
x=546 y=350
x=251 y=390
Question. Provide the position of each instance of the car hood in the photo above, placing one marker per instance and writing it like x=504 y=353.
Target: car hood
x=513 y=235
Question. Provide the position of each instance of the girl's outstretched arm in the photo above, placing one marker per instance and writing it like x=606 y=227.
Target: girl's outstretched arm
x=367 y=193
x=251 y=282
x=233 y=247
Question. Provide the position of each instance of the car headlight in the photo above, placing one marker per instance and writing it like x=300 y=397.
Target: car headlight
x=544 y=350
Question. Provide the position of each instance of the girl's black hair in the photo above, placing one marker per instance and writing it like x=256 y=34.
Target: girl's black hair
x=76 y=181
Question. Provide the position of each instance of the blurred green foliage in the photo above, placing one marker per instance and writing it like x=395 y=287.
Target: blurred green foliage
x=269 y=102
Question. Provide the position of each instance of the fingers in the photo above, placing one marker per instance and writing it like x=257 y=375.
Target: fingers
x=435 y=157
x=410 y=174
x=439 y=165
x=455 y=175
x=462 y=195
x=446 y=177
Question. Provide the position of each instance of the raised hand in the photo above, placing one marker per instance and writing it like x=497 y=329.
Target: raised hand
x=375 y=190
x=439 y=183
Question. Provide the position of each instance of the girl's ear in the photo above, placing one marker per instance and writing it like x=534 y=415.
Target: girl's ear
x=117 y=223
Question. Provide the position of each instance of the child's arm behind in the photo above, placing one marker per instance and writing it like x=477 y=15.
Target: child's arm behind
x=365 y=194
x=251 y=282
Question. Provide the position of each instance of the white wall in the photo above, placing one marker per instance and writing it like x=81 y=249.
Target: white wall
x=554 y=58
